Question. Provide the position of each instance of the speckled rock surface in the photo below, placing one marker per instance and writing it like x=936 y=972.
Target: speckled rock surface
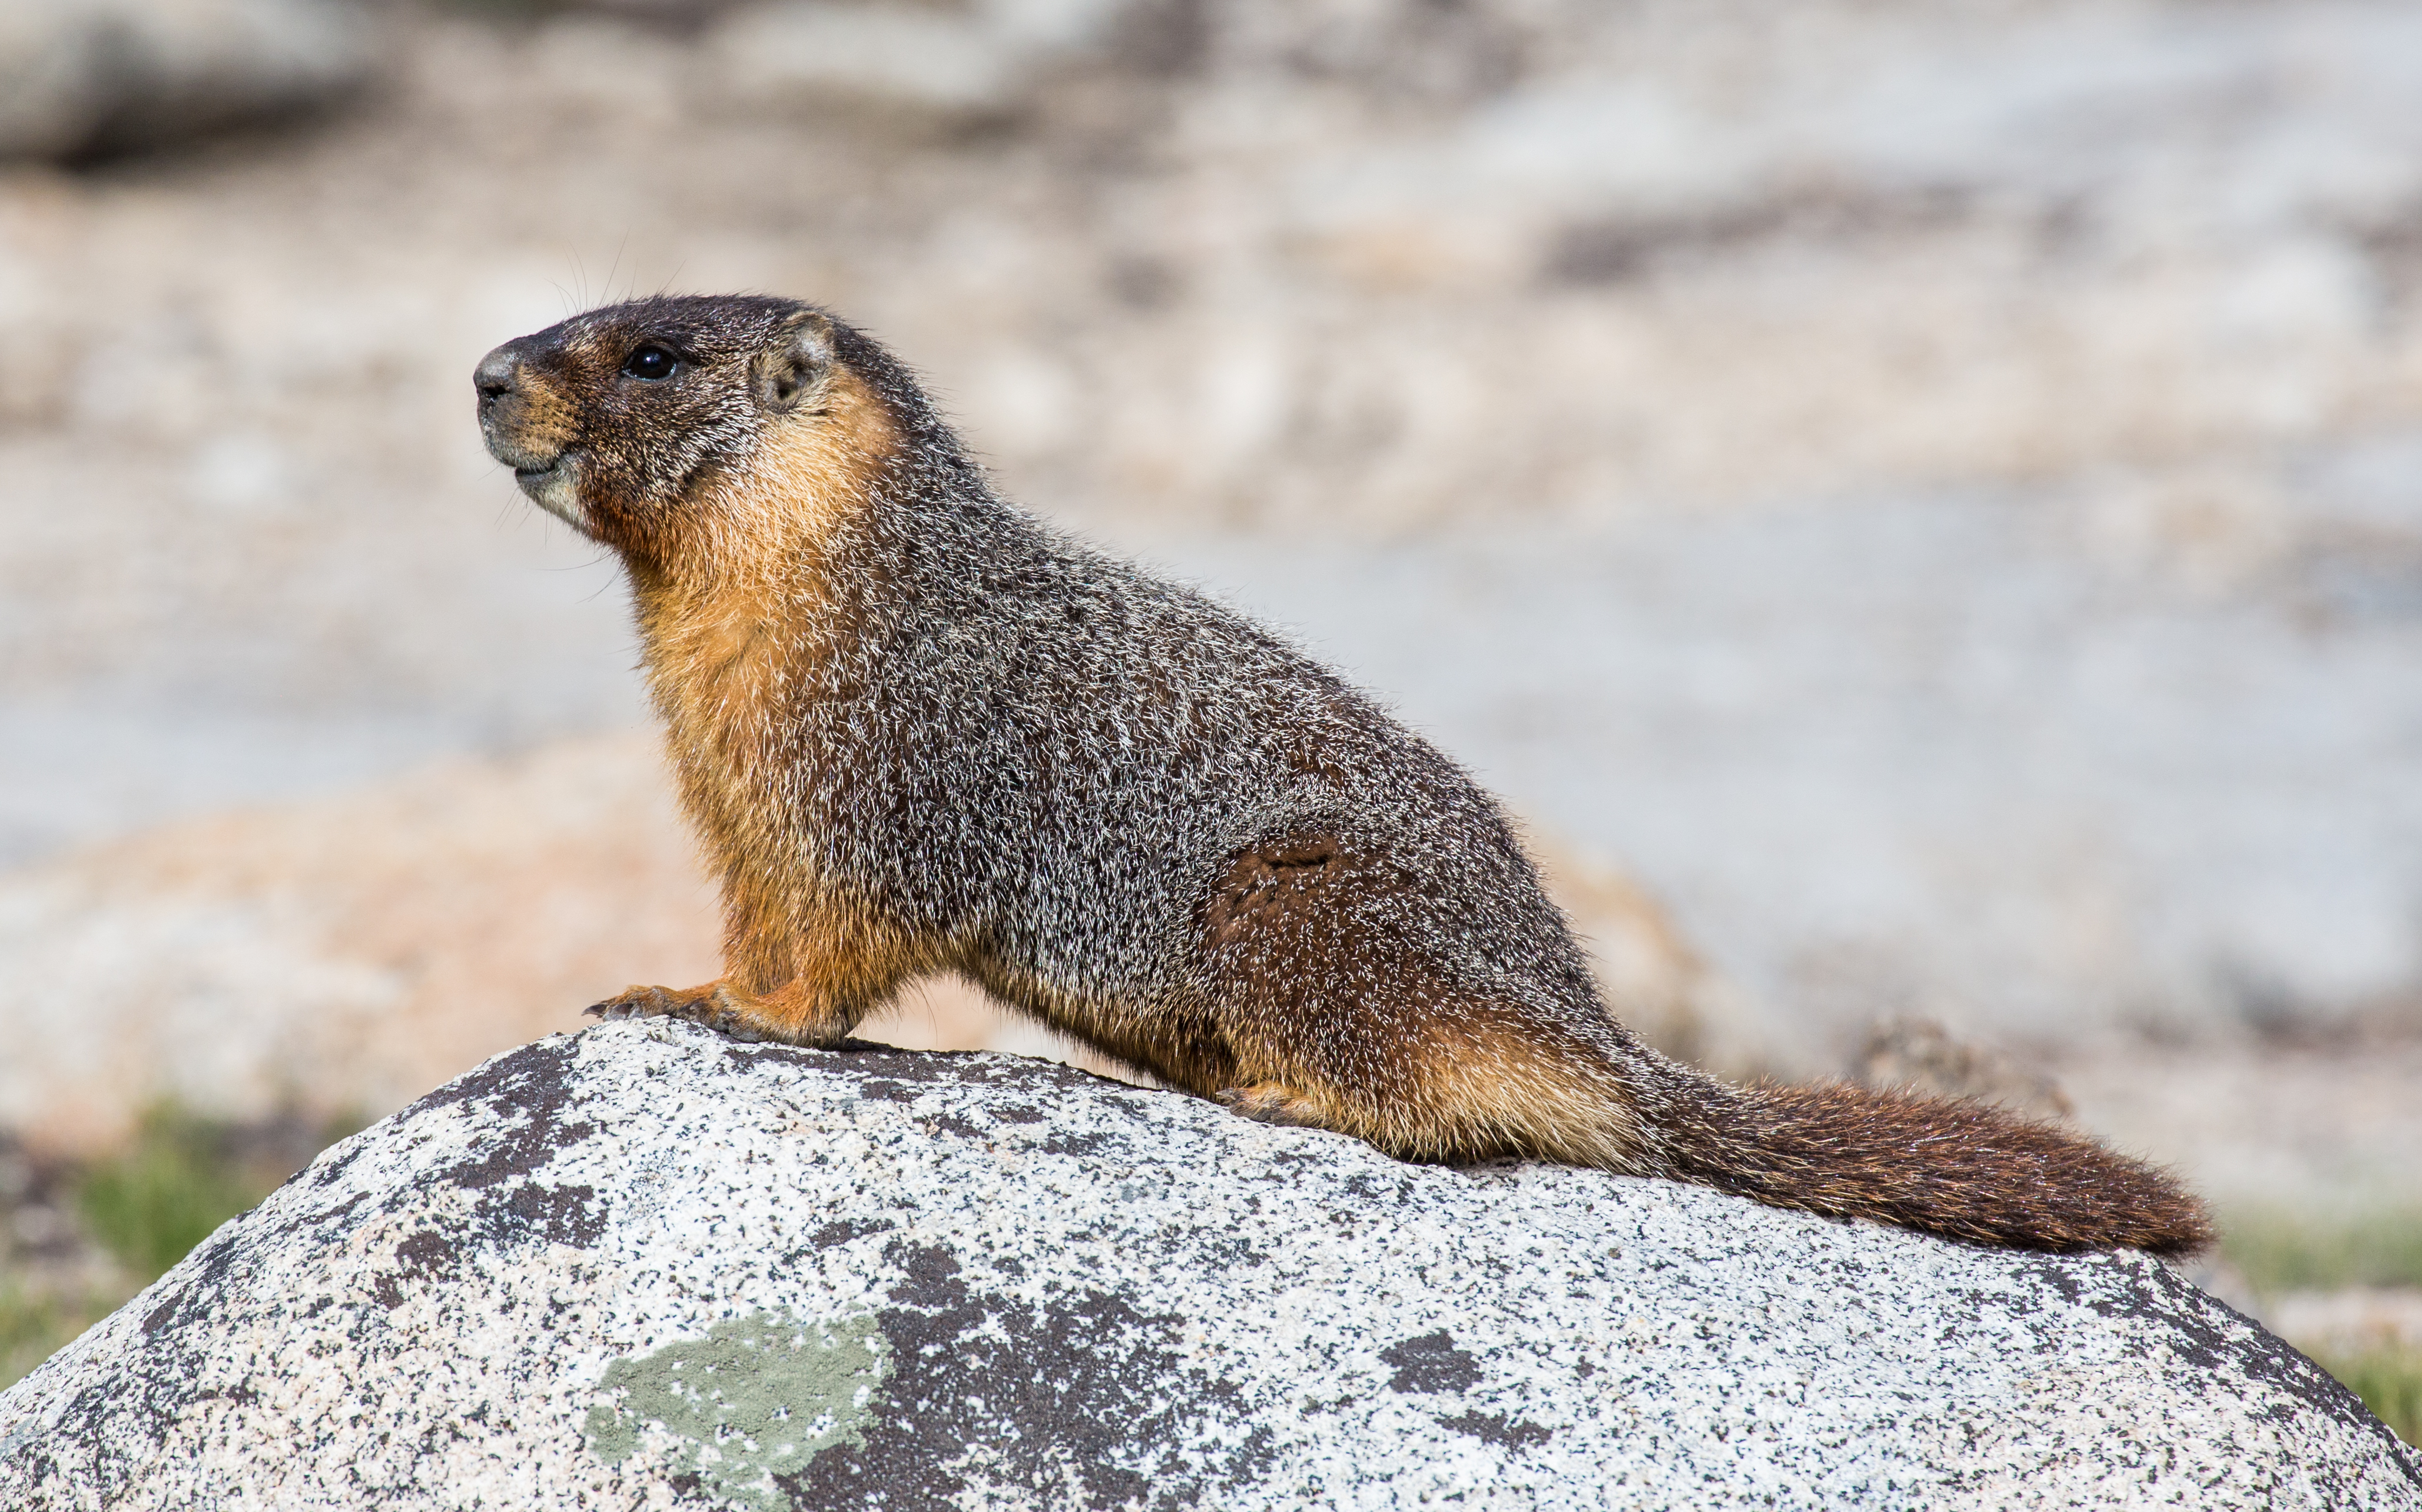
x=646 y=1266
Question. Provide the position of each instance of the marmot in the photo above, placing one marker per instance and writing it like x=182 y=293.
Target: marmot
x=918 y=731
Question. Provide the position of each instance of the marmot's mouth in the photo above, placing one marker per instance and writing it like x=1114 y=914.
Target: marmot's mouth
x=555 y=487
x=533 y=470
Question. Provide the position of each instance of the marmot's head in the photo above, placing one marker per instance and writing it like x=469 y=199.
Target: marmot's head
x=665 y=427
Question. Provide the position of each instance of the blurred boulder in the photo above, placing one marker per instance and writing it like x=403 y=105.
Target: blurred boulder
x=1922 y=1056
x=933 y=65
x=339 y=957
x=649 y=1266
x=679 y=17
x=342 y=954
x=80 y=79
x=864 y=58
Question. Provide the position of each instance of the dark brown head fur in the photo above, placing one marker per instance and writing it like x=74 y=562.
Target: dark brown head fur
x=705 y=433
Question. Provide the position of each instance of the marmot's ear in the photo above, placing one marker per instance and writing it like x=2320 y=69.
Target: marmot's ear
x=788 y=370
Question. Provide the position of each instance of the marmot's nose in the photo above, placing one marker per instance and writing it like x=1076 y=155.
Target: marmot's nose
x=498 y=375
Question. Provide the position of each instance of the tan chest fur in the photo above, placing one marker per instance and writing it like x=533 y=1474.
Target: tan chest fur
x=734 y=628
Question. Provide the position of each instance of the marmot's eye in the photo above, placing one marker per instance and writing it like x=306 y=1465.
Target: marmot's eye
x=653 y=363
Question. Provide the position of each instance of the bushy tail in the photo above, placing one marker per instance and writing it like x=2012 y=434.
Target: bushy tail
x=1962 y=1169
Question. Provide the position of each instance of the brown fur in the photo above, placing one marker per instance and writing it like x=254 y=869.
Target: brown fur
x=916 y=733
x=1962 y=1169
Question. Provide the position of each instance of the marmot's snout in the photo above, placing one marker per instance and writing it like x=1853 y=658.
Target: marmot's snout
x=496 y=378
x=526 y=427
x=505 y=413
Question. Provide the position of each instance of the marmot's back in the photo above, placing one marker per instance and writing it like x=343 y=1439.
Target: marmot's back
x=1128 y=739
x=919 y=732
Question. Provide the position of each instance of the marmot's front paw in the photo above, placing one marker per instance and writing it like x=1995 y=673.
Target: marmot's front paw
x=710 y=1005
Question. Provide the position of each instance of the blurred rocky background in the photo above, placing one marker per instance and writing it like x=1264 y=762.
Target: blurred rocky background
x=1919 y=501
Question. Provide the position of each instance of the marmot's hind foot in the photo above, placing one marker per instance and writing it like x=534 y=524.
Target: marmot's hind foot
x=710 y=1005
x=1272 y=1102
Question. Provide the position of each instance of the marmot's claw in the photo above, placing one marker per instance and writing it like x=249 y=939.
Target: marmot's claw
x=633 y=1002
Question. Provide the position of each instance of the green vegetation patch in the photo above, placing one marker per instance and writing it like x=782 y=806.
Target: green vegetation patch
x=2389 y=1381
x=32 y=1324
x=2280 y=1250
x=184 y=1176
x=151 y=1205
x=759 y=1396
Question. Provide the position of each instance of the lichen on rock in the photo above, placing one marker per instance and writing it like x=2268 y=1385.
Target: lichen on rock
x=758 y=1397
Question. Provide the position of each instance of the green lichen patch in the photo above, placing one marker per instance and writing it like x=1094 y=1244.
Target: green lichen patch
x=759 y=1396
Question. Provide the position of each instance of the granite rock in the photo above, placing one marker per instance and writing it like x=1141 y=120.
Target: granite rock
x=644 y=1266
